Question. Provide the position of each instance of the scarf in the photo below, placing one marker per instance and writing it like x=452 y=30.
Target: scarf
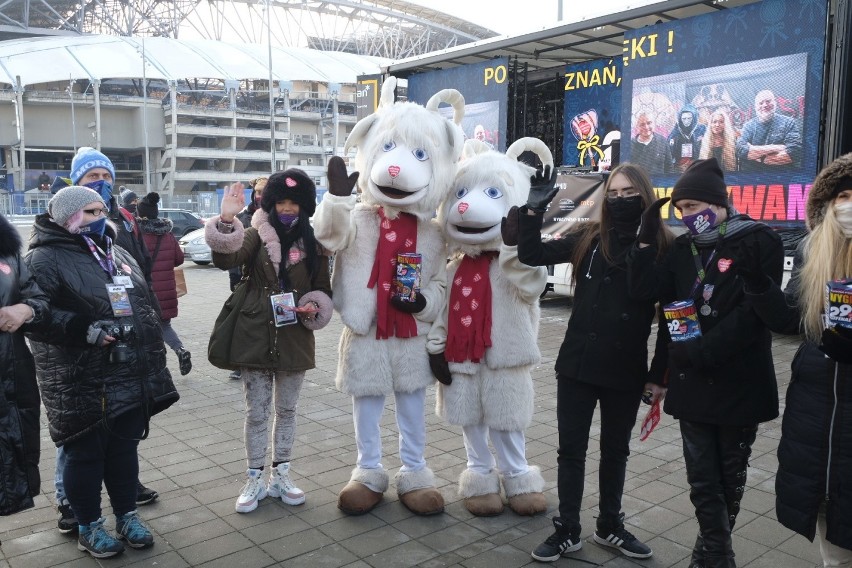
x=395 y=236
x=736 y=224
x=469 y=319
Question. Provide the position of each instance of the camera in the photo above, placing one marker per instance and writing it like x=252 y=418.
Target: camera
x=124 y=335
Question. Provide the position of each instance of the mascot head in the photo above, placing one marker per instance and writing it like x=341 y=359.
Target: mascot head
x=486 y=185
x=407 y=153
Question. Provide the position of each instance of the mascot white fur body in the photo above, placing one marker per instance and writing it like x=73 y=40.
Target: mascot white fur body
x=406 y=159
x=492 y=397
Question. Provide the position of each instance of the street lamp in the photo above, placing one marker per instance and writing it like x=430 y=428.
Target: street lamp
x=70 y=91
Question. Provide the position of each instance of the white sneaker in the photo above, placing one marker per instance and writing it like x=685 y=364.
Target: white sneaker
x=253 y=491
x=280 y=485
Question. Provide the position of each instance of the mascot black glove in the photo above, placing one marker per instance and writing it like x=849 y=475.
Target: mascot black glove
x=510 y=227
x=651 y=222
x=542 y=190
x=837 y=344
x=338 y=182
x=417 y=306
x=749 y=269
x=440 y=368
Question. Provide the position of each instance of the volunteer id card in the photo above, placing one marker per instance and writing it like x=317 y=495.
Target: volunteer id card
x=119 y=300
x=282 y=308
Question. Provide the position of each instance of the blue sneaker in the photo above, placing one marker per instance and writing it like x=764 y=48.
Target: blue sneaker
x=130 y=527
x=95 y=540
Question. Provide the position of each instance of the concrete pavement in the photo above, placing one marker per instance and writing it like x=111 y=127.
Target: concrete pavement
x=195 y=458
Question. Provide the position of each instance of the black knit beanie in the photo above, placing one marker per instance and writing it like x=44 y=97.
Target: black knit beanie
x=702 y=181
x=147 y=206
x=292 y=184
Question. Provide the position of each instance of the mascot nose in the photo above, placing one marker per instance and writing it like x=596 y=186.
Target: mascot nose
x=463 y=207
x=393 y=171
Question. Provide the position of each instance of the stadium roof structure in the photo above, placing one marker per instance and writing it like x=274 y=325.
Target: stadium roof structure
x=49 y=59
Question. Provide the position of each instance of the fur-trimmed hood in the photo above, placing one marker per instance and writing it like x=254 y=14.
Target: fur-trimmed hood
x=158 y=226
x=10 y=239
x=825 y=187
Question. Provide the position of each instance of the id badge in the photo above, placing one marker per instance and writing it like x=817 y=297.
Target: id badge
x=119 y=300
x=686 y=150
x=282 y=308
x=122 y=280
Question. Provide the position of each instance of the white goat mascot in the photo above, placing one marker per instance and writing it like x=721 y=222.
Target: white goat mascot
x=406 y=155
x=485 y=342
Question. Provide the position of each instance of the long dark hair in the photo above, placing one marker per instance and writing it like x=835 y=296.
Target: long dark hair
x=304 y=231
x=594 y=231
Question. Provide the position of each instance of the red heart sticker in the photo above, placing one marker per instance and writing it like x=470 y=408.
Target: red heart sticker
x=386 y=224
x=291 y=182
x=295 y=255
x=5 y=268
x=391 y=236
x=456 y=307
x=466 y=321
x=477 y=277
x=457 y=281
x=386 y=286
x=466 y=291
x=463 y=207
x=474 y=304
x=724 y=264
x=408 y=243
x=126 y=268
x=393 y=171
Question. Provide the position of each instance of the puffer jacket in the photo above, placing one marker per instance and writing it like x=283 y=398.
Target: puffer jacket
x=19 y=399
x=80 y=386
x=258 y=344
x=731 y=378
x=165 y=256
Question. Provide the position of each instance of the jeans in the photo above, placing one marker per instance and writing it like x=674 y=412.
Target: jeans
x=58 y=483
x=261 y=388
x=170 y=336
x=575 y=406
x=104 y=456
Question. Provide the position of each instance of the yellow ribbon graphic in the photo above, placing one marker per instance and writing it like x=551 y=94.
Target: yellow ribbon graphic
x=585 y=145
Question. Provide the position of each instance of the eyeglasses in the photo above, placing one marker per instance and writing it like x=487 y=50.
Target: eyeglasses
x=627 y=192
x=95 y=212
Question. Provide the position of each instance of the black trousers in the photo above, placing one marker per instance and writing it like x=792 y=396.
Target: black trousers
x=575 y=407
x=716 y=467
x=105 y=455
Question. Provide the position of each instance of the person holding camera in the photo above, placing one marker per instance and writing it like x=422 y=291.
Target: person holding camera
x=101 y=363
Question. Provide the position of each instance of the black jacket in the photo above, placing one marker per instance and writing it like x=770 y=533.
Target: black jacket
x=730 y=378
x=19 y=400
x=79 y=384
x=606 y=343
x=815 y=451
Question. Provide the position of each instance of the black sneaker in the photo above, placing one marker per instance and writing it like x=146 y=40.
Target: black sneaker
x=623 y=540
x=184 y=361
x=67 y=522
x=560 y=542
x=144 y=496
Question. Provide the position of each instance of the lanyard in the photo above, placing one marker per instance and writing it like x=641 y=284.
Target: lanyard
x=106 y=262
x=702 y=270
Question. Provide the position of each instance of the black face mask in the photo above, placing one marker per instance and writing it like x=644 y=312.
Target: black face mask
x=625 y=210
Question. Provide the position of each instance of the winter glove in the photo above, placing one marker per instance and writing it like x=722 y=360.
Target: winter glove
x=749 y=269
x=338 y=182
x=95 y=334
x=679 y=354
x=440 y=368
x=542 y=190
x=837 y=344
x=510 y=227
x=417 y=306
x=651 y=222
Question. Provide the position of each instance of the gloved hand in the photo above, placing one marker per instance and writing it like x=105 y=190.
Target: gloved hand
x=837 y=344
x=417 y=306
x=651 y=222
x=510 y=227
x=338 y=182
x=749 y=269
x=440 y=368
x=679 y=354
x=95 y=335
x=542 y=190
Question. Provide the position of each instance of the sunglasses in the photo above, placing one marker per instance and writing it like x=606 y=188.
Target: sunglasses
x=95 y=212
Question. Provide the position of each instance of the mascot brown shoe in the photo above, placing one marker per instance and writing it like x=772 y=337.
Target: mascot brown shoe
x=416 y=490
x=525 y=492
x=481 y=493
x=357 y=498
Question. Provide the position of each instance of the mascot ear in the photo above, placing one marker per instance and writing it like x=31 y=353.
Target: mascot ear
x=359 y=132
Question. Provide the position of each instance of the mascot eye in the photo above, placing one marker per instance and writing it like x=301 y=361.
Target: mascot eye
x=388 y=146
x=420 y=154
x=493 y=192
x=461 y=192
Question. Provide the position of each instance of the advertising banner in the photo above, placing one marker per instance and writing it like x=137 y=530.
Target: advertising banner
x=367 y=95
x=742 y=85
x=592 y=114
x=485 y=87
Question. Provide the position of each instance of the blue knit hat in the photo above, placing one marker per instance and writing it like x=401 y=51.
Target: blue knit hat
x=88 y=159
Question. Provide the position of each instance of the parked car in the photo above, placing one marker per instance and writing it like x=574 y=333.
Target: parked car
x=183 y=221
x=195 y=248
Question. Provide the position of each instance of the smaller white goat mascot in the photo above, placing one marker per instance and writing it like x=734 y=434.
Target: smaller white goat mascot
x=484 y=346
x=406 y=160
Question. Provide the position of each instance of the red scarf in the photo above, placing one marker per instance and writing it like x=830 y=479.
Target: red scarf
x=395 y=236
x=469 y=319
